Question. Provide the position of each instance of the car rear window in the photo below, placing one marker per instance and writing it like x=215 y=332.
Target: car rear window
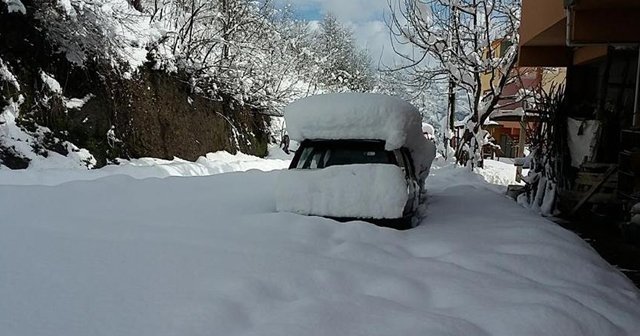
x=321 y=156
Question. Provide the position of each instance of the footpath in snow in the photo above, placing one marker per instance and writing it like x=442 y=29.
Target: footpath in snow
x=209 y=255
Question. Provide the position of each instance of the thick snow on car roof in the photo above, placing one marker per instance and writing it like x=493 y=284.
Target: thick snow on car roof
x=364 y=116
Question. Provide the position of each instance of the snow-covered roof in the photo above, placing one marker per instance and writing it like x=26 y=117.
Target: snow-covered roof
x=352 y=116
x=364 y=116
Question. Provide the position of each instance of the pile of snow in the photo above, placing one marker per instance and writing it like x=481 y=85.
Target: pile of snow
x=496 y=175
x=352 y=191
x=276 y=153
x=52 y=173
x=362 y=116
x=211 y=256
x=500 y=172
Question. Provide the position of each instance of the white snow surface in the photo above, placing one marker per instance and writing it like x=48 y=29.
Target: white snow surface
x=15 y=6
x=77 y=103
x=428 y=130
x=500 y=172
x=211 y=256
x=363 y=116
x=352 y=191
x=51 y=82
x=7 y=76
x=66 y=5
x=22 y=143
x=49 y=173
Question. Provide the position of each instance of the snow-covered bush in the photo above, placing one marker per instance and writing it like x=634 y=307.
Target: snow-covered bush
x=548 y=144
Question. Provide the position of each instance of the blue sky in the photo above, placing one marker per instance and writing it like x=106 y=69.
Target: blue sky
x=365 y=17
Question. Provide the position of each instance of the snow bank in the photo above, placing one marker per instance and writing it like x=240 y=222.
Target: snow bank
x=496 y=175
x=363 y=116
x=210 y=256
x=360 y=191
x=501 y=172
x=50 y=172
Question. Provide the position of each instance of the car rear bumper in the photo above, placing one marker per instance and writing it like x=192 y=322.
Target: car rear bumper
x=403 y=223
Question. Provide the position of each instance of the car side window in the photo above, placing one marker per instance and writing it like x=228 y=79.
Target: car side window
x=304 y=158
x=326 y=157
x=315 y=159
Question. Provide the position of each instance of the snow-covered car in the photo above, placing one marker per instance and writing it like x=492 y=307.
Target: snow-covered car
x=361 y=156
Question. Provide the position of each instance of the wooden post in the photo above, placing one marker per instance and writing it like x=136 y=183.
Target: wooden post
x=521 y=142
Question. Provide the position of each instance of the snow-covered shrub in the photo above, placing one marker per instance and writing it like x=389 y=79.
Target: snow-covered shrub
x=548 y=144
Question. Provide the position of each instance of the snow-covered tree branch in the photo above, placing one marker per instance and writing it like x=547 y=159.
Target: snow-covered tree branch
x=472 y=43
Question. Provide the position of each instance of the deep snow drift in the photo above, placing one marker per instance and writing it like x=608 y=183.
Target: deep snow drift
x=210 y=256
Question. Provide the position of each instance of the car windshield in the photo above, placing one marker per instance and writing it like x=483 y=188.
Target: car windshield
x=321 y=155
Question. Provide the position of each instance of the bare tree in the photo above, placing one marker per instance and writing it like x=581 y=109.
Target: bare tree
x=471 y=43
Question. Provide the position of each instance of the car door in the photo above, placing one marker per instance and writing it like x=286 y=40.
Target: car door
x=413 y=187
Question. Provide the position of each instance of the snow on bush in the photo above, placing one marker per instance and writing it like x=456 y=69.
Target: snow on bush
x=77 y=103
x=361 y=116
x=50 y=83
x=356 y=191
x=7 y=76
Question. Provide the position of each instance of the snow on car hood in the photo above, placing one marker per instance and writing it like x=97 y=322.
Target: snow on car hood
x=361 y=116
x=359 y=191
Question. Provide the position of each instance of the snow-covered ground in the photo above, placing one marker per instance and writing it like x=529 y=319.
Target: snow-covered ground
x=209 y=255
x=211 y=164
